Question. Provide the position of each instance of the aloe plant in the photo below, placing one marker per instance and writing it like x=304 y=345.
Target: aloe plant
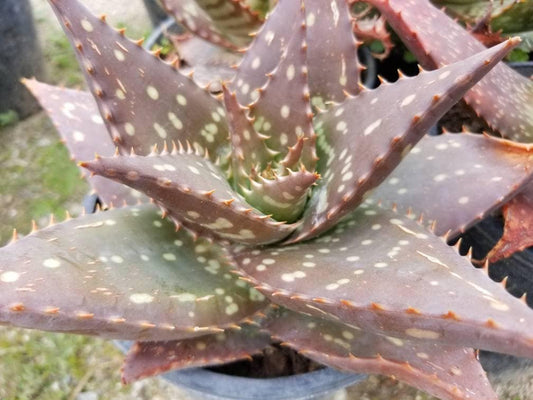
x=260 y=224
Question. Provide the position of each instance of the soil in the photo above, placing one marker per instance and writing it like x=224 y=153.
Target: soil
x=274 y=362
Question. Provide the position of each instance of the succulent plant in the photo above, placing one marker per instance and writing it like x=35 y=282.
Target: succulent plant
x=261 y=224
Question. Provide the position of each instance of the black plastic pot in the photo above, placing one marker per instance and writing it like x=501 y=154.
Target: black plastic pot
x=518 y=268
x=323 y=384
x=483 y=236
x=155 y=11
x=203 y=384
x=20 y=56
x=524 y=67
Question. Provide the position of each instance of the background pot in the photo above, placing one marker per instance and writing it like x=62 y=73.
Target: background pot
x=20 y=56
x=524 y=67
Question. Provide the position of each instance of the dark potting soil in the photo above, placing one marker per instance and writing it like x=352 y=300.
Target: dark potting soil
x=275 y=361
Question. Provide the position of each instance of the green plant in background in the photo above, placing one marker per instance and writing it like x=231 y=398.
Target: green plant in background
x=8 y=118
x=262 y=226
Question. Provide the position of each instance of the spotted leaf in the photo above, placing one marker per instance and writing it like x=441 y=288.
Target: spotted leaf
x=272 y=40
x=249 y=152
x=415 y=21
x=77 y=120
x=283 y=197
x=194 y=193
x=123 y=273
x=358 y=149
x=473 y=174
x=449 y=372
x=125 y=90
x=332 y=51
x=518 y=228
x=287 y=118
x=146 y=359
x=372 y=28
x=225 y=23
x=473 y=10
x=386 y=274
x=209 y=64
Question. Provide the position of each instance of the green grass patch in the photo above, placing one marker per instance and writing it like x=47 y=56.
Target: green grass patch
x=63 y=68
x=38 y=365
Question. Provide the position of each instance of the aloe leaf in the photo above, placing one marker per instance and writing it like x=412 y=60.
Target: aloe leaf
x=194 y=193
x=518 y=228
x=385 y=273
x=283 y=197
x=333 y=65
x=210 y=64
x=358 y=149
x=147 y=359
x=142 y=102
x=372 y=28
x=512 y=113
x=122 y=274
x=272 y=40
x=249 y=151
x=75 y=115
x=287 y=118
x=226 y=23
x=474 y=10
x=449 y=372
x=472 y=174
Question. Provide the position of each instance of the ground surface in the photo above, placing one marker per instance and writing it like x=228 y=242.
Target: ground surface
x=37 y=179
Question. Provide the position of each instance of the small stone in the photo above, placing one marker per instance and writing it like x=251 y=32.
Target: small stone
x=87 y=396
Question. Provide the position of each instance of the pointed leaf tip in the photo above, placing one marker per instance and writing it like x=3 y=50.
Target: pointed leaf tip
x=138 y=100
x=348 y=130
x=504 y=99
x=459 y=176
x=190 y=188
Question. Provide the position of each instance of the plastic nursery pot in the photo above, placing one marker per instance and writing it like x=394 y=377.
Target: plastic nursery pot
x=524 y=67
x=203 y=384
x=369 y=77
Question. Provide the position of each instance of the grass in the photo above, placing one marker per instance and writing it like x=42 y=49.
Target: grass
x=7 y=118
x=38 y=178
x=61 y=62
x=43 y=366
